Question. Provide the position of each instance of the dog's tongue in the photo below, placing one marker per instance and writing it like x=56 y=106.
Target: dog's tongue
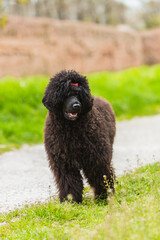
x=73 y=114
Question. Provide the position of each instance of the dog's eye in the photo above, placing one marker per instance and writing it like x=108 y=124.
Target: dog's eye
x=74 y=84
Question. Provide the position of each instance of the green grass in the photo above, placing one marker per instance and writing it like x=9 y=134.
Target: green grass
x=133 y=213
x=22 y=112
x=133 y=92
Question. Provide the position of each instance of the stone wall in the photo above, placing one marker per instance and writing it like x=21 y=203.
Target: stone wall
x=44 y=46
x=151 y=46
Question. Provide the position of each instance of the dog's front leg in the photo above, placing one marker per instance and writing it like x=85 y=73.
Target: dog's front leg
x=69 y=181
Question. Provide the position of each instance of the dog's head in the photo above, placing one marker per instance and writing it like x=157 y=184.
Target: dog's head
x=68 y=93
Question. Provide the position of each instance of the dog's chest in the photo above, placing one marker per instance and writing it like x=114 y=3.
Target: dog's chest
x=75 y=141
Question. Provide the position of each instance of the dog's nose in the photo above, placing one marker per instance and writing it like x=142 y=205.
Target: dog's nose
x=76 y=106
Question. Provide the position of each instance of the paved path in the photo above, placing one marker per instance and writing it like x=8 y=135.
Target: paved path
x=26 y=178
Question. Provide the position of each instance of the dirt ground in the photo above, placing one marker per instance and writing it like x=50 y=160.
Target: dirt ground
x=26 y=178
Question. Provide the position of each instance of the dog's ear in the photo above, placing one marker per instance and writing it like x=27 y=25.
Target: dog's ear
x=55 y=93
x=87 y=100
x=49 y=98
x=47 y=102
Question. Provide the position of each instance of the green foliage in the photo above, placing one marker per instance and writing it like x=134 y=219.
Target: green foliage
x=133 y=213
x=152 y=22
x=22 y=1
x=3 y=21
x=133 y=92
x=150 y=13
x=22 y=112
x=3 y=18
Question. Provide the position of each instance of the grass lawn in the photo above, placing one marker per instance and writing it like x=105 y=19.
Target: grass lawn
x=133 y=92
x=133 y=213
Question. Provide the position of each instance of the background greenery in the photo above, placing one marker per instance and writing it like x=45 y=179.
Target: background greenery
x=133 y=92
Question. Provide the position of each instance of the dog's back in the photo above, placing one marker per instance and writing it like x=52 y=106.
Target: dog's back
x=106 y=111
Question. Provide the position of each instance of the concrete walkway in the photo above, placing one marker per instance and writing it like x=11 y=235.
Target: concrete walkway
x=26 y=178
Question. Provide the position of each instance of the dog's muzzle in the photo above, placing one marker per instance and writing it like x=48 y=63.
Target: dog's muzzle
x=72 y=108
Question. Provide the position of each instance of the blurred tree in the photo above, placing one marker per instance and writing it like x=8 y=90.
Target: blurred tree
x=22 y=1
x=62 y=9
x=114 y=12
x=99 y=11
x=78 y=9
x=91 y=11
x=19 y=7
x=3 y=18
x=43 y=8
x=151 y=13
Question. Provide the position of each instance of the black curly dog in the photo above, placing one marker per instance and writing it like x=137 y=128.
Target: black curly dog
x=79 y=133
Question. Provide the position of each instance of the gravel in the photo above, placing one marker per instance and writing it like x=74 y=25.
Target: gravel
x=26 y=178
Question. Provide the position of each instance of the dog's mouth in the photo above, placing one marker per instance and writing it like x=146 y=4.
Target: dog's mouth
x=71 y=116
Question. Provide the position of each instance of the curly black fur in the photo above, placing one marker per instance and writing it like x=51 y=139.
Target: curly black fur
x=84 y=144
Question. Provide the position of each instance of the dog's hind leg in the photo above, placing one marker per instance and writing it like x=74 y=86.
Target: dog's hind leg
x=101 y=180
